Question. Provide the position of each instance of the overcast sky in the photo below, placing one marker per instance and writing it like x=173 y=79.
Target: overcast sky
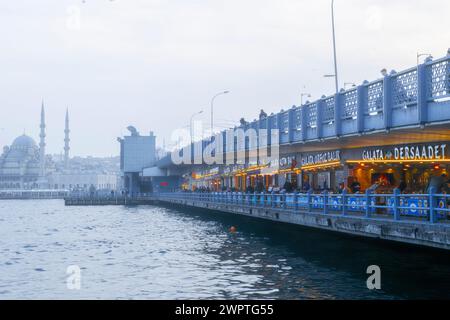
x=152 y=63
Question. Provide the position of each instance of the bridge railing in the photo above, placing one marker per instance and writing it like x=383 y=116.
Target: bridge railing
x=432 y=208
x=410 y=97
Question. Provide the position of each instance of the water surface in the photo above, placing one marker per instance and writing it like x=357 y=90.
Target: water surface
x=149 y=252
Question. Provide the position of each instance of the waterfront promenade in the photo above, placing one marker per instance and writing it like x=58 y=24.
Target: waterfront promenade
x=33 y=194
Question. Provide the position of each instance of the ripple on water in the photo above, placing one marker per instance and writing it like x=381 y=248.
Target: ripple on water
x=148 y=252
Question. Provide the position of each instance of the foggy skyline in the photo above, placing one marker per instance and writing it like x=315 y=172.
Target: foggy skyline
x=154 y=63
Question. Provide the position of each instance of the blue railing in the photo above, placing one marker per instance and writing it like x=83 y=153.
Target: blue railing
x=432 y=208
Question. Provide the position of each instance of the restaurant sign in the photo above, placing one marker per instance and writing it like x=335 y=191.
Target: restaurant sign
x=228 y=170
x=321 y=158
x=411 y=152
x=286 y=162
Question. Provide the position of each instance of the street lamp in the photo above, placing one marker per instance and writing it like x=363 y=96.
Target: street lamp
x=334 y=48
x=304 y=95
x=212 y=109
x=190 y=124
x=349 y=84
x=422 y=55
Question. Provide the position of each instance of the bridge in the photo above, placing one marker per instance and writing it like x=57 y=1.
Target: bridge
x=407 y=105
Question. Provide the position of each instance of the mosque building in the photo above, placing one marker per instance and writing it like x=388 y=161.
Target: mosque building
x=24 y=164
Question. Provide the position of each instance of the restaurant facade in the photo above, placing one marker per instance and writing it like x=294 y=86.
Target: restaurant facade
x=409 y=167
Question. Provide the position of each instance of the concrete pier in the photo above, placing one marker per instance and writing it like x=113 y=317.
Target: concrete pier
x=101 y=201
x=411 y=232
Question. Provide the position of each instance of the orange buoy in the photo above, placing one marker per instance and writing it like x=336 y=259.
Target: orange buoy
x=233 y=229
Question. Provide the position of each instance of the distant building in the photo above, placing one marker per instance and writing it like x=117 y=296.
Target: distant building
x=20 y=164
x=83 y=181
x=24 y=164
x=136 y=153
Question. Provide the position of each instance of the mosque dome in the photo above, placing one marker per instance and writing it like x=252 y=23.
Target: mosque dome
x=23 y=142
x=22 y=149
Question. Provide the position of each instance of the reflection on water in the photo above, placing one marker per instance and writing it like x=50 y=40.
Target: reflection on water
x=149 y=252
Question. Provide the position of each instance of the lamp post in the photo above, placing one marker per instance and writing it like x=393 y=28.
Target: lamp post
x=334 y=48
x=304 y=95
x=190 y=124
x=422 y=55
x=212 y=109
x=349 y=84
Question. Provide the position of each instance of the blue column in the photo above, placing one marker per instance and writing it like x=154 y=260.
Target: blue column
x=303 y=124
x=319 y=118
x=291 y=124
x=362 y=92
x=270 y=126
x=338 y=114
x=261 y=124
x=422 y=93
x=278 y=120
x=387 y=102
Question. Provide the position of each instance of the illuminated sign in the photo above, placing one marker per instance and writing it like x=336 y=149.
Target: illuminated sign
x=321 y=158
x=417 y=152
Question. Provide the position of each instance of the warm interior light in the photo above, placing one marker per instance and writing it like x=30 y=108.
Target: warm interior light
x=323 y=165
x=397 y=161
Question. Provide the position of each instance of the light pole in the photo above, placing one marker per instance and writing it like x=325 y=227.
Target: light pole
x=304 y=95
x=349 y=84
x=212 y=109
x=190 y=125
x=422 y=55
x=334 y=48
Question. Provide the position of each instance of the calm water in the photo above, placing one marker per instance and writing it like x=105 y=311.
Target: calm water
x=157 y=253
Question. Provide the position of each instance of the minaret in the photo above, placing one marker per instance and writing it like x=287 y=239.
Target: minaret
x=66 y=141
x=42 y=143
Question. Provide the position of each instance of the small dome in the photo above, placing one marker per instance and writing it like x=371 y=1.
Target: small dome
x=23 y=142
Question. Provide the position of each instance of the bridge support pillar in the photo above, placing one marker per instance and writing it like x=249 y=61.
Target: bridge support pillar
x=387 y=102
x=422 y=94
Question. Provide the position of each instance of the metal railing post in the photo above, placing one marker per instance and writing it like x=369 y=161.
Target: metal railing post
x=368 y=203
x=396 y=204
x=344 y=202
x=295 y=201
x=272 y=200
x=309 y=196
x=432 y=204
x=325 y=202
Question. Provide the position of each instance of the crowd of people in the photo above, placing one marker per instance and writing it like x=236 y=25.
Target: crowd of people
x=440 y=184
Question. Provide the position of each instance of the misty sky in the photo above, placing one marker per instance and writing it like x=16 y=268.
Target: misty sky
x=152 y=63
